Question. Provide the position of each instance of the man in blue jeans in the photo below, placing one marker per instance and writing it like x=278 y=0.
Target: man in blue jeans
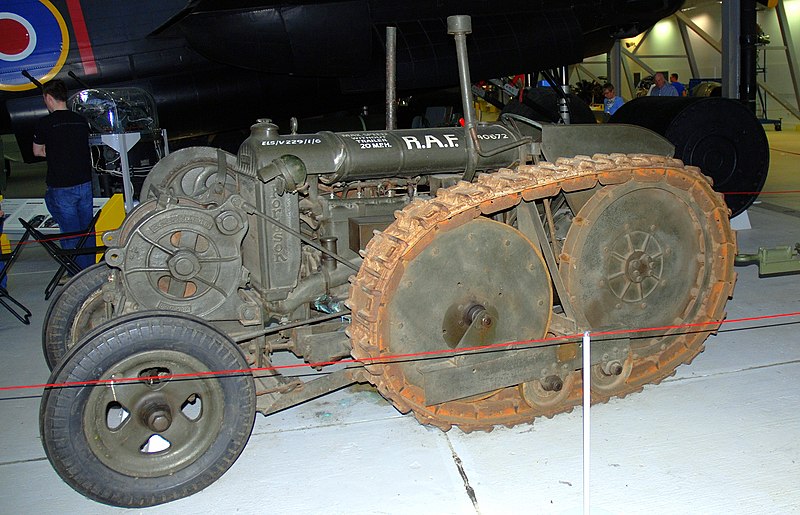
x=63 y=138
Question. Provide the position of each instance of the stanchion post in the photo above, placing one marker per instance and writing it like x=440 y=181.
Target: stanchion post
x=587 y=402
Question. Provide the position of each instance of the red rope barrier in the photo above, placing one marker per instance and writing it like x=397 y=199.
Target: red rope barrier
x=397 y=357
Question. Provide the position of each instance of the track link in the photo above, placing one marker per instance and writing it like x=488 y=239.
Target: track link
x=417 y=224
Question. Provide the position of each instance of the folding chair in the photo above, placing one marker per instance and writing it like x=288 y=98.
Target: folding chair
x=64 y=257
x=18 y=310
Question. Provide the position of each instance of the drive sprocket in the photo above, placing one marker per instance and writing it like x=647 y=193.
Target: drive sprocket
x=376 y=288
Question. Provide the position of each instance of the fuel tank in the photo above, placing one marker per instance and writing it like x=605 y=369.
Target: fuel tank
x=348 y=156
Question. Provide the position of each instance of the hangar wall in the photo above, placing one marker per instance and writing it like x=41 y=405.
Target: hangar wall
x=662 y=49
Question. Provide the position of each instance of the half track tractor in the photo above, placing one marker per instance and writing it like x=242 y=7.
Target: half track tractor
x=484 y=249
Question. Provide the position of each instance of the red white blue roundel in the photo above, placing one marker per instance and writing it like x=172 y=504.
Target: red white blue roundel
x=35 y=39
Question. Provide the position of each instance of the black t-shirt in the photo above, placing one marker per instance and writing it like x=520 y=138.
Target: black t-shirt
x=65 y=136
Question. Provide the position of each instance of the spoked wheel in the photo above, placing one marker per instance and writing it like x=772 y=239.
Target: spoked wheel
x=653 y=252
x=189 y=172
x=76 y=309
x=167 y=429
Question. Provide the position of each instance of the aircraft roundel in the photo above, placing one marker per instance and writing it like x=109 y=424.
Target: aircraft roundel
x=35 y=39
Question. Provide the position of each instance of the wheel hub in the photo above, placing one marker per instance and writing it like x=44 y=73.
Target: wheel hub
x=460 y=318
x=184 y=265
x=640 y=266
x=156 y=415
x=636 y=265
x=153 y=406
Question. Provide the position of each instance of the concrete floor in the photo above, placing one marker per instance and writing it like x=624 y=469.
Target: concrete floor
x=721 y=436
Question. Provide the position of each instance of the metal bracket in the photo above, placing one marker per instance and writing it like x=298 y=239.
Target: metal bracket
x=529 y=222
x=311 y=390
x=773 y=261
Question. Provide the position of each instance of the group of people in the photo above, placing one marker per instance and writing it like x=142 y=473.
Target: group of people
x=660 y=88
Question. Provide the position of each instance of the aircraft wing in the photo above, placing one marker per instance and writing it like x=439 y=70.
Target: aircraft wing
x=216 y=65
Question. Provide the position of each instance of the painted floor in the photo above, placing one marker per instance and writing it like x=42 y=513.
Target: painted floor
x=721 y=436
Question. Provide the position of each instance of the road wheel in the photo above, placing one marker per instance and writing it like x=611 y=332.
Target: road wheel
x=168 y=428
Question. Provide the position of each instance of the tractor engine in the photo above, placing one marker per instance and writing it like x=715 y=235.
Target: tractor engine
x=247 y=243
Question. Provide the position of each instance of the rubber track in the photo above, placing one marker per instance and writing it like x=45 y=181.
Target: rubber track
x=418 y=223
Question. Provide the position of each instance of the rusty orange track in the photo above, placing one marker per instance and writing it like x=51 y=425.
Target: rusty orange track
x=418 y=224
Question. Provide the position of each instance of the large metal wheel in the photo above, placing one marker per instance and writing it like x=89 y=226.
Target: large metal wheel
x=453 y=280
x=189 y=172
x=649 y=253
x=480 y=269
x=167 y=429
x=76 y=309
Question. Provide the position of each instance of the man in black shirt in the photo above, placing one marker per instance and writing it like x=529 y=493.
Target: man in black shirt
x=63 y=138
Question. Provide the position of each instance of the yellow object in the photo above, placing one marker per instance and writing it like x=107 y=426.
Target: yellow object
x=110 y=218
x=485 y=111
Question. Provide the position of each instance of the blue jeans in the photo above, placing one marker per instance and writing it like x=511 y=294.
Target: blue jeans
x=72 y=208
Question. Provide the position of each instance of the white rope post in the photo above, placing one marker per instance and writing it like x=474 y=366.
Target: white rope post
x=587 y=402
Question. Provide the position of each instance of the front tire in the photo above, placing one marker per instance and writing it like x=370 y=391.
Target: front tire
x=168 y=428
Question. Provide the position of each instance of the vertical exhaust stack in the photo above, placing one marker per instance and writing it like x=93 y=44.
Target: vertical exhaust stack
x=391 y=78
x=459 y=26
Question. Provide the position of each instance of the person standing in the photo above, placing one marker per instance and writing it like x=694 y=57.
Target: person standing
x=611 y=102
x=662 y=88
x=63 y=138
x=679 y=87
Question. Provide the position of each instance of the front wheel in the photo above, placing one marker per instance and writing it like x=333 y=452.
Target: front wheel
x=150 y=421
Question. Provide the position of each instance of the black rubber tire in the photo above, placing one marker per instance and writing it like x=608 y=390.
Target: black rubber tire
x=57 y=332
x=68 y=431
